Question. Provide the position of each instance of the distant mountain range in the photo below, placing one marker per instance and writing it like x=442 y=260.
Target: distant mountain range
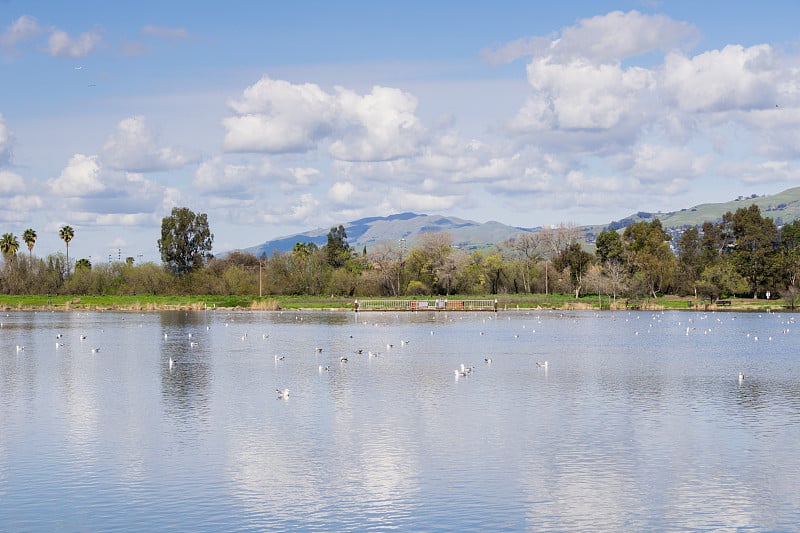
x=409 y=226
x=470 y=235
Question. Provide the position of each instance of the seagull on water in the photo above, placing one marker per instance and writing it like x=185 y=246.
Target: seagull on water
x=464 y=370
x=282 y=393
x=542 y=364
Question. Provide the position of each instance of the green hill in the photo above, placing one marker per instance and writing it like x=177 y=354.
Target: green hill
x=469 y=235
x=782 y=207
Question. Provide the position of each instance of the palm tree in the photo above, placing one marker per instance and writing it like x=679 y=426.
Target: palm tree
x=9 y=245
x=29 y=236
x=66 y=233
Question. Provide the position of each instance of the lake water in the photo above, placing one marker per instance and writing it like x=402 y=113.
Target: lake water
x=638 y=422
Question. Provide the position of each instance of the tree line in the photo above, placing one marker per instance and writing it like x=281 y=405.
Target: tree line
x=743 y=253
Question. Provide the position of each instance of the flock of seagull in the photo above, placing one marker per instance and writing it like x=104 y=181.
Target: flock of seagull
x=284 y=393
x=59 y=343
x=462 y=371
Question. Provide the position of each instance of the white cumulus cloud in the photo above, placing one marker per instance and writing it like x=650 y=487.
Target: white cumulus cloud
x=134 y=147
x=605 y=38
x=276 y=116
x=90 y=190
x=378 y=126
x=734 y=78
x=618 y=35
x=81 y=177
x=585 y=95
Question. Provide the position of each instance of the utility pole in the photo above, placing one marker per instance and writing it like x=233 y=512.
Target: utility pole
x=400 y=268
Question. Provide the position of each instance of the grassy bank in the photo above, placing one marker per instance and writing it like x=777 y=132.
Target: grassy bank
x=271 y=303
x=151 y=302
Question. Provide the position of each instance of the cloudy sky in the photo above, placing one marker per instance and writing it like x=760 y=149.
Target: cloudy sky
x=278 y=117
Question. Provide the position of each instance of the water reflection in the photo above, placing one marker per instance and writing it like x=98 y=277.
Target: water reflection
x=634 y=424
x=185 y=371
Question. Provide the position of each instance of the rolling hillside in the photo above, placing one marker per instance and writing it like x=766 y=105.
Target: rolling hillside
x=781 y=207
x=471 y=235
x=371 y=231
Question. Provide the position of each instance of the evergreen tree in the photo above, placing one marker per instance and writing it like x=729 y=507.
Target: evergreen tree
x=186 y=240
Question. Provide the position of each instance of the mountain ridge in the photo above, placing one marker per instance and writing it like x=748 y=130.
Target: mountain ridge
x=405 y=228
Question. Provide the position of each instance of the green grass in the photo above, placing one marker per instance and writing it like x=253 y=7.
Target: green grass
x=506 y=301
x=133 y=301
x=168 y=302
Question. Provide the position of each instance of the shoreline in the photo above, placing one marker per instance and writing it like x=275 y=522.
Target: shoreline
x=109 y=304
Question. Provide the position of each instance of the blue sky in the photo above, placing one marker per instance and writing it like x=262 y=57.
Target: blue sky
x=279 y=117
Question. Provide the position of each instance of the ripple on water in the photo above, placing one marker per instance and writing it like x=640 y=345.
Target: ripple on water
x=620 y=431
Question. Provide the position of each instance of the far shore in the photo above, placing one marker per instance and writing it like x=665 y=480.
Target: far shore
x=142 y=303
